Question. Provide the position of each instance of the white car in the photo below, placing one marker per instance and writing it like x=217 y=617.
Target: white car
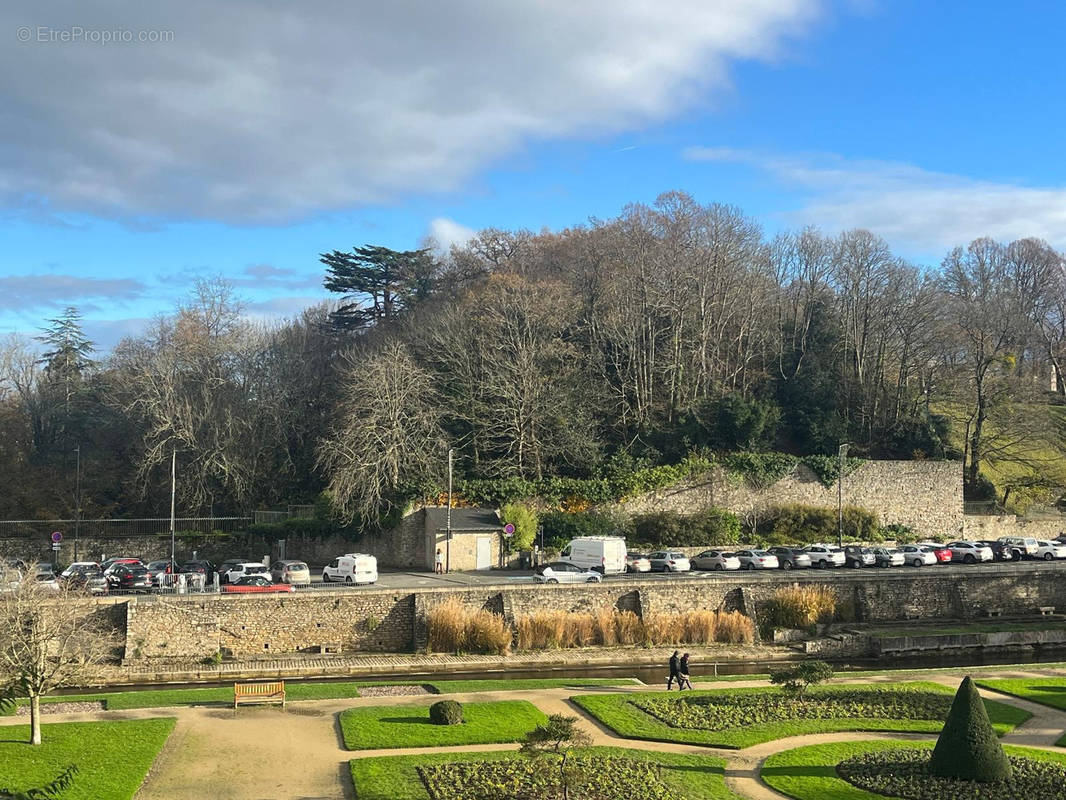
x=715 y=559
x=823 y=556
x=972 y=552
x=918 y=555
x=888 y=557
x=757 y=559
x=351 y=568
x=243 y=570
x=1049 y=550
x=669 y=561
x=565 y=572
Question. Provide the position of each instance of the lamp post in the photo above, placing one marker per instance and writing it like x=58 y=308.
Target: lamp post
x=842 y=451
x=448 y=539
x=173 y=492
x=77 y=500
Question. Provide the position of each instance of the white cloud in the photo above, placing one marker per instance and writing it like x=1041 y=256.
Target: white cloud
x=909 y=206
x=263 y=111
x=51 y=290
x=445 y=232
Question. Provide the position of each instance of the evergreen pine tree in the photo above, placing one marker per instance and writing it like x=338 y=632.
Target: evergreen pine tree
x=377 y=283
x=968 y=748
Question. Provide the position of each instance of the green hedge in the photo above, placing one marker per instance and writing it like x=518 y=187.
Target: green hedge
x=295 y=526
x=670 y=529
x=799 y=523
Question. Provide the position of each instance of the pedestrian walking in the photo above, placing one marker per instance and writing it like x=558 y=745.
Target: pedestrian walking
x=682 y=674
x=675 y=672
x=440 y=561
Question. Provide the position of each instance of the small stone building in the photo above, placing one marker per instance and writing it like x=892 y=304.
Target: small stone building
x=476 y=542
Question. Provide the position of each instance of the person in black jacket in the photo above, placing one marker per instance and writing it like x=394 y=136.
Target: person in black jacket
x=682 y=674
x=675 y=672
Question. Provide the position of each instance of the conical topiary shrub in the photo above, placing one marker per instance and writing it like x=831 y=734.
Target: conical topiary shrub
x=968 y=748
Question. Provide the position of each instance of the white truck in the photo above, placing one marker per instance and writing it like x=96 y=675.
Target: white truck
x=604 y=554
x=351 y=568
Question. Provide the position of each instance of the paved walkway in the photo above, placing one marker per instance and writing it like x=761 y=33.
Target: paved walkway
x=297 y=753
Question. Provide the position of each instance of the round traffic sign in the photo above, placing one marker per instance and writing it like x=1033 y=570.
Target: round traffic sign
x=508 y=528
x=57 y=537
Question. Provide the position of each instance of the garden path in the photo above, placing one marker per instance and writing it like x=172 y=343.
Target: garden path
x=297 y=753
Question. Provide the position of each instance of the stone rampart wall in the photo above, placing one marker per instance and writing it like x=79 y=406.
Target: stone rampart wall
x=384 y=620
x=926 y=495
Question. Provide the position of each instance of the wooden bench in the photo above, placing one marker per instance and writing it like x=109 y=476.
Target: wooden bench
x=259 y=693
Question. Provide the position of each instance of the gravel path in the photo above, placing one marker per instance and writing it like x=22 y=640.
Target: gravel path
x=63 y=708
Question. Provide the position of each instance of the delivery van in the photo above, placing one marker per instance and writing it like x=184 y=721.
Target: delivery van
x=605 y=554
x=351 y=568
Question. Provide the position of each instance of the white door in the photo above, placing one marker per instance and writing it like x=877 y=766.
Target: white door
x=484 y=552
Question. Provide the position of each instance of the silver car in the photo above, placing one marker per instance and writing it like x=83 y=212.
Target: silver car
x=565 y=572
x=757 y=559
x=669 y=561
x=918 y=555
x=292 y=572
x=715 y=559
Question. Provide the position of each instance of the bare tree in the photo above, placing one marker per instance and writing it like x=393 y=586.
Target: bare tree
x=388 y=434
x=49 y=639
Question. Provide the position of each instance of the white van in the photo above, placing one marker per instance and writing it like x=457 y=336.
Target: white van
x=351 y=568
x=605 y=554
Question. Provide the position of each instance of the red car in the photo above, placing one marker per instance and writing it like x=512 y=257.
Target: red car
x=943 y=553
x=256 y=584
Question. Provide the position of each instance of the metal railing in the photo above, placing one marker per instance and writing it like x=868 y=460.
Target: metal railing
x=118 y=528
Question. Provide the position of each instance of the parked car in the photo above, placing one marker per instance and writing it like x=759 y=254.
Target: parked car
x=246 y=569
x=46 y=577
x=942 y=551
x=888 y=556
x=669 y=561
x=637 y=562
x=1021 y=546
x=858 y=556
x=46 y=566
x=198 y=567
x=757 y=559
x=791 y=557
x=605 y=554
x=129 y=560
x=565 y=572
x=971 y=552
x=162 y=571
x=1000 y=550
x=292 y=572
x=351 y=568
x=85 y=575
x=918 y=555
x=227 y=565
x=256 y=584
x=129 y=578
x=715 y=559
x=1050 y=550
x=824 y=556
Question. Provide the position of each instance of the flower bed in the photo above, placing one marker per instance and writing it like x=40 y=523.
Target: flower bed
x=904 y=773
x=723 y=711
x=598 y=778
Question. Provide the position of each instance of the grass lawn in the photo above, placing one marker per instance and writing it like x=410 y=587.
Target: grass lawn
x=976 y=627
x=112 y=757
x=617 y=712
x=317 y=690
x=396 y=778
x=1047 y=691
x=378 y=727
x=809 y=773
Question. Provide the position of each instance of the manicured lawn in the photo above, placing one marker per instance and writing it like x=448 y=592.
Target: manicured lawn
x=112 y=757
x=378 y=727
x=809 y=773
x=396 y=778
x=973 y=627
x=318 y=690
x=619 y=713
x=1047 y=691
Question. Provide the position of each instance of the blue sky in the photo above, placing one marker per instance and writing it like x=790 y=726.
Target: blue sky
x=262 y=133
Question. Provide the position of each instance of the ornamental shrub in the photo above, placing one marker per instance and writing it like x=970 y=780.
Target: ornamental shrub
x=796 y=523
x=670 y=529
x=968 y=749
x=795 y=680
x=446 y=712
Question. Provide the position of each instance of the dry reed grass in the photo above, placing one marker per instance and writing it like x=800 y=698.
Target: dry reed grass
x=549 y=630
x=802 y=606
x=454 y=628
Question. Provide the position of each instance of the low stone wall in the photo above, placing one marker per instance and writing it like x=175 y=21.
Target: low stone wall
x=384 y=620
x=926 y=495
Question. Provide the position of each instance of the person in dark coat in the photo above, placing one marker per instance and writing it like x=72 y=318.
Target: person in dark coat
x=682 y=674
x=675 y=672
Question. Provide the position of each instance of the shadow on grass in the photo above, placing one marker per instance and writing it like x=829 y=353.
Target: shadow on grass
x=799 y=771
x=410 y=721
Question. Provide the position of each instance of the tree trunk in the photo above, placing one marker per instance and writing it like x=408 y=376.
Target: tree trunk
x=35 y=719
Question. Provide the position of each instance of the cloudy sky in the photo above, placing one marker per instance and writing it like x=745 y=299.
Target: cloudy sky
x=143 y=145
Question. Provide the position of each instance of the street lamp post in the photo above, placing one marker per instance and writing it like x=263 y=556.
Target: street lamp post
x=842 y=451
x=77 y=500
x=448 y=539
x=173 y=493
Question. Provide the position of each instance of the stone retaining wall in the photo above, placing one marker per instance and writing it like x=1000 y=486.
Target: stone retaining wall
x=384 y=620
